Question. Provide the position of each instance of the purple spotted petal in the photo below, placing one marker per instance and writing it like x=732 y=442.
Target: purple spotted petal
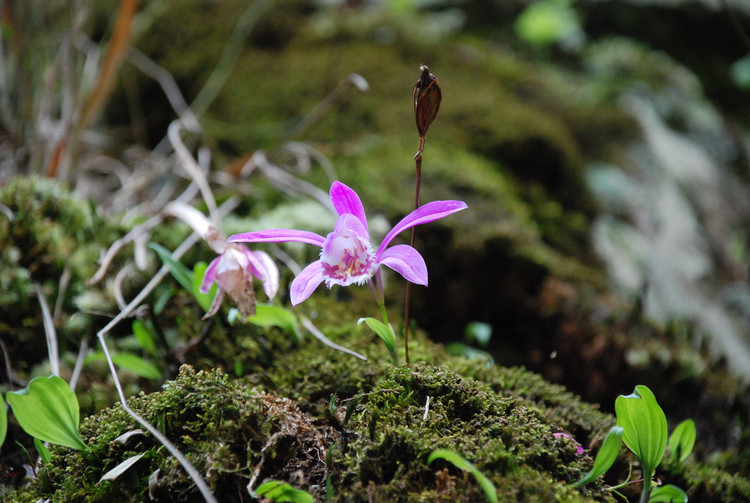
x=306 y=282
x=209 y=276
x=278 y=236
x=263 y=267
x=422 y=215
x=345 y=200
x=406 y=261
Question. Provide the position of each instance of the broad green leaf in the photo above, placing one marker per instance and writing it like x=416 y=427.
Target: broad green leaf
x=3 y=421
x=122 y=467
x=128 y=361
x=48 y=410
x=204 y=299
x=682 y=440
x=459 y=462
x=644 y=427
x=42 y=450
x=267 y=315
x=385 y=332
x=144 y=338
x=606 y=456
x=181 y=273
x=278 y=491
x=668 y=494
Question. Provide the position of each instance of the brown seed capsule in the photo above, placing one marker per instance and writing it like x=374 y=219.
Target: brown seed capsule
x=427 y=97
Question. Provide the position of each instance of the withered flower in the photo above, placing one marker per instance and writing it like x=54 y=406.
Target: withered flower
x=233 y=271
x=427 y=97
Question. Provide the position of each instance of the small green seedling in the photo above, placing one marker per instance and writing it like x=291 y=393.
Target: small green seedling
x=682 y=441
x=459 y=462
x=642 y=426
x=644 y=430
x=278 y=491
x=48 y=409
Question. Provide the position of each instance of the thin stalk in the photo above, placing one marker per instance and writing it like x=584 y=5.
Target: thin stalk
x=49 y=331
x=186 y=464
x=418 y=161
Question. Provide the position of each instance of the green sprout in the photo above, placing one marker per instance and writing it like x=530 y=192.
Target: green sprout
x=642 y=427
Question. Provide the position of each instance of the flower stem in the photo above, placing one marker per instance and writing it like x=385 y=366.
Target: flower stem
x=384 y=313
x=418 y=161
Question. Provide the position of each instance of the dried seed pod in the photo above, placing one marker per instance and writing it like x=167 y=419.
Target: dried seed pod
x=427 y=97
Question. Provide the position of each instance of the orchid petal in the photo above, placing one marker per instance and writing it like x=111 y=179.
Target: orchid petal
x=345 y=200
x=422 y=215
x=278 y=236
x=263 y=267
x=306 y=282
x=406 y=261
x=215 y=304
x=209 y=276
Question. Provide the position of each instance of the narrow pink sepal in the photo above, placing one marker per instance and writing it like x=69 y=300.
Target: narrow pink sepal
x=406 y=261
x=278 y=236
x=209 y=276
x=422 y=215
x=345 y=200
x=306 y=282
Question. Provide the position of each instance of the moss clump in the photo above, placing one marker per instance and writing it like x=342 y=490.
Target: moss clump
x=231 y=433
x=45 y=233
x=508 y=442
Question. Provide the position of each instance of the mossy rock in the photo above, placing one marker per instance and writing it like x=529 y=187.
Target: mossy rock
x=319 y=418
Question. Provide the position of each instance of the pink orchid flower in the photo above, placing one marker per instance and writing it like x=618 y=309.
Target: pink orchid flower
x=347 y=255
x=233 y=271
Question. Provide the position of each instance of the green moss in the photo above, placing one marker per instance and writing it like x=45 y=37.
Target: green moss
x=229 y=432
x=46 y=234
x=359 y=424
